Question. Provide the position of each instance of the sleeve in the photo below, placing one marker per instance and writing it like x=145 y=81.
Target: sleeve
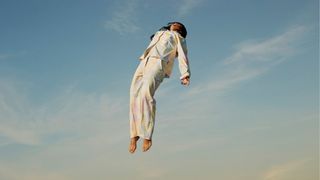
x=182 y=51
x=154 y=40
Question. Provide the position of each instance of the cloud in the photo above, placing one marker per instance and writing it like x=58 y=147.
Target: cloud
x=73 y=125
x=124 y=19
x=11 y=173
x=270 y=50
x=70 y=114
x=4 y=56
x=187 y=5
x=18 y=135
x=13 y=107
x=253 y=58
x=284 y=171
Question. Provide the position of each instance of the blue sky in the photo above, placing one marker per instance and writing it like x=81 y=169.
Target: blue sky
x=250 y=113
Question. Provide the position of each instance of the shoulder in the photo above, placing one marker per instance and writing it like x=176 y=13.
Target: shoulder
x=177 y=34
x=158 y=33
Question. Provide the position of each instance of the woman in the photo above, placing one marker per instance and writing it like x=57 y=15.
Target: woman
x=155 y=65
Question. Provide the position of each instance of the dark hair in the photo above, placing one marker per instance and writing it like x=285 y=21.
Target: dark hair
x=182 y=32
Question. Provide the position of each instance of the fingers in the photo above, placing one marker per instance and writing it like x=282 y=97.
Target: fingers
x=185 y=81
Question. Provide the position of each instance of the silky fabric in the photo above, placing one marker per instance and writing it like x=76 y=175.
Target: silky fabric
x=145 y=82
x=156 y=64
x=168 y=45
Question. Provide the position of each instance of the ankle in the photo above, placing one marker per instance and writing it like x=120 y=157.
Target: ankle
x=135 y=139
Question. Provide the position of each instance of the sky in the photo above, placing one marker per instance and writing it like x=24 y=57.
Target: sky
x=251 y=111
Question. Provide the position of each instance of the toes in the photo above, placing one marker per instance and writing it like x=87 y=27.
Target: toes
x=132 y=149
x=133 y=144
x=146 y=145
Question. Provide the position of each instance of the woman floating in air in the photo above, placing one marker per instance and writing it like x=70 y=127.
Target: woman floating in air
x=155 y=64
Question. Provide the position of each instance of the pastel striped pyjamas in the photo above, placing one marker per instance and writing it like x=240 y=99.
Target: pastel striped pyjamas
x=145 y=82
x=155 y=64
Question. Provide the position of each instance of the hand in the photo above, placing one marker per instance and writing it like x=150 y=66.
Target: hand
x=185 y=81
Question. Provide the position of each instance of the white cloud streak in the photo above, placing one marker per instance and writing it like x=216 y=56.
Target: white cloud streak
x=4 y=56
x=12 y=108
x=124 y=19
x=269 y=50
x=252 y=59
x=72 y=112
x=10 y=173
x=186 y=6
x=284 y=171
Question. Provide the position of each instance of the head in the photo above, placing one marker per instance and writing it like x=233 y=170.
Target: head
x=179 y=27
x=174 y=26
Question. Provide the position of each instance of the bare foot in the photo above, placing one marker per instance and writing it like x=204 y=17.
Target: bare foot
x=133 y=144
x=146 y=144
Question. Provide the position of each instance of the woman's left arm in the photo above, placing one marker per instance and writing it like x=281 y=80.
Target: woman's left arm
x=184 y=66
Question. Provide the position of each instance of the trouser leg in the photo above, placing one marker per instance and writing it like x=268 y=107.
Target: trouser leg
x=146 y=80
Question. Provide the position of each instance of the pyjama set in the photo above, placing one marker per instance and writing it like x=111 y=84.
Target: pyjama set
x=155 y=64
x=146 y=80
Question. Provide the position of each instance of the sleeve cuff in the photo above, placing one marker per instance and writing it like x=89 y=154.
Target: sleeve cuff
x=184 y=76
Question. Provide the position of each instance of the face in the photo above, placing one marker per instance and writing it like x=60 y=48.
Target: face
x=175 y=27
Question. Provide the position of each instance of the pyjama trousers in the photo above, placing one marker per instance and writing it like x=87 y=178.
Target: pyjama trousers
x=145 y=82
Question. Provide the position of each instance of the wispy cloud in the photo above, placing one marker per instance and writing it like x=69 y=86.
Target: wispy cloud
x=11 y=173
x=152 y=173
x=5 y=56
x=72 y=124
x=186 y=6
x=284 y=171
x=253 y=58
x=271 y=50
x=12 y=108
x=72 y=112
x=124 y=19
x=18 y=135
